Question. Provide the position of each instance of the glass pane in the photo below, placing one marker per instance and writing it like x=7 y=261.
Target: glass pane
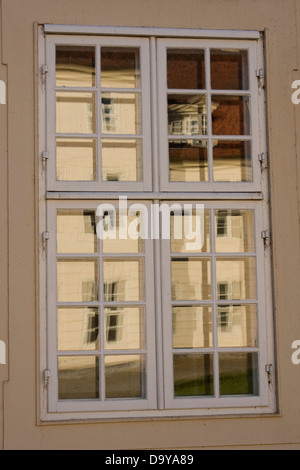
x=78 y=377
x=190 y=231
x=77 y=280
x=232 y=161
x=125 y=376
x=123 y=280
x=124 y=328
x=187 y=115
x=192 y=327
x=120 y=67
x=76 y=231
x=229 y=69
x=238 y=373
x=121 y=160
x=76 y=159
x=121 y=113
x=230 y=115
x=188 y=160
x=78 y=329
x=75 y=66
x=122 y=233
x=234 y=230
x=191 y=279
x=237 y=326
x=186 y=68
x=193 y=375
x=75 y=113
x=236 y=278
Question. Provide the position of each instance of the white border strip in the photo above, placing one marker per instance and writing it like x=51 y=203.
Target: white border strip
x=143 y=31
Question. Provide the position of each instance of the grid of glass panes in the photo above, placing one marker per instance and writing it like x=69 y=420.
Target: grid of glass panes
x=101 y=311
x=99 y=135
x=214 y=307
x=208 y=103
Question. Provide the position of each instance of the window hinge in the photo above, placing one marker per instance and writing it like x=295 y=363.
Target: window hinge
x=45 y=156
x=269 y=370
x=47 y=375
x=44 y=70
x=45 y=238
x=260 y=75
x=262 y=158
x=265 y=235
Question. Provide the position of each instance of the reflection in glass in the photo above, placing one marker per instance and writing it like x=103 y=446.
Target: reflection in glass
x=76 y=159
x=238 y=373
x=185 y=69
x=229 y=69
x=236 y=278
x=120 y=67
x=121 y=160
x=188 y=160
x=189 y=227
x=231 y=115
x=121 y=113
x=75 y=66
x=76 y=231
x=77 y=280
x=237 y=326
x=191 y=279
x=193 y=374
x=234 y=230
x=124 y=327
x=75 y=112
x=122 y=233
x=125 y=376
x=192 y=327
x=187 y=115
x=78 y=329
x=123 y=280
x=232 y=161
x=78 y=377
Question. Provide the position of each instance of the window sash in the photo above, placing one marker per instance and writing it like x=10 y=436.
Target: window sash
x=148 y=350
x=255 y=118
x=145 y=136
x=216 y=400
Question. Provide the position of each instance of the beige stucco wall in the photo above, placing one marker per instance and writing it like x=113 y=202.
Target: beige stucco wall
x=19 y=416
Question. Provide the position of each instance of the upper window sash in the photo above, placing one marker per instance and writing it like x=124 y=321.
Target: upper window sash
x=209 y=115
x=98 y=114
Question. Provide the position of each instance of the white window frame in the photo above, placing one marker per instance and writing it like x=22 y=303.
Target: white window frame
x=146 y=183
x=255 y=119
x=53 y=195
x=56 y=405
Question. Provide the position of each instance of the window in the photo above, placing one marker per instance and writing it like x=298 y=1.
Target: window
x=157 y=277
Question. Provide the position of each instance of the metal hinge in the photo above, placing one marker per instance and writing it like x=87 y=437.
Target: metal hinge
x=47 y=375
x=265 y=235
x=45 y=156
x=262 y=158
x=45 y=238
x=269 y=370
x=44 y=69
x=260 y=75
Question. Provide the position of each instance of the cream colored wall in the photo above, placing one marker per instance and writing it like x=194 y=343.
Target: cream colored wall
x=19 y=426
